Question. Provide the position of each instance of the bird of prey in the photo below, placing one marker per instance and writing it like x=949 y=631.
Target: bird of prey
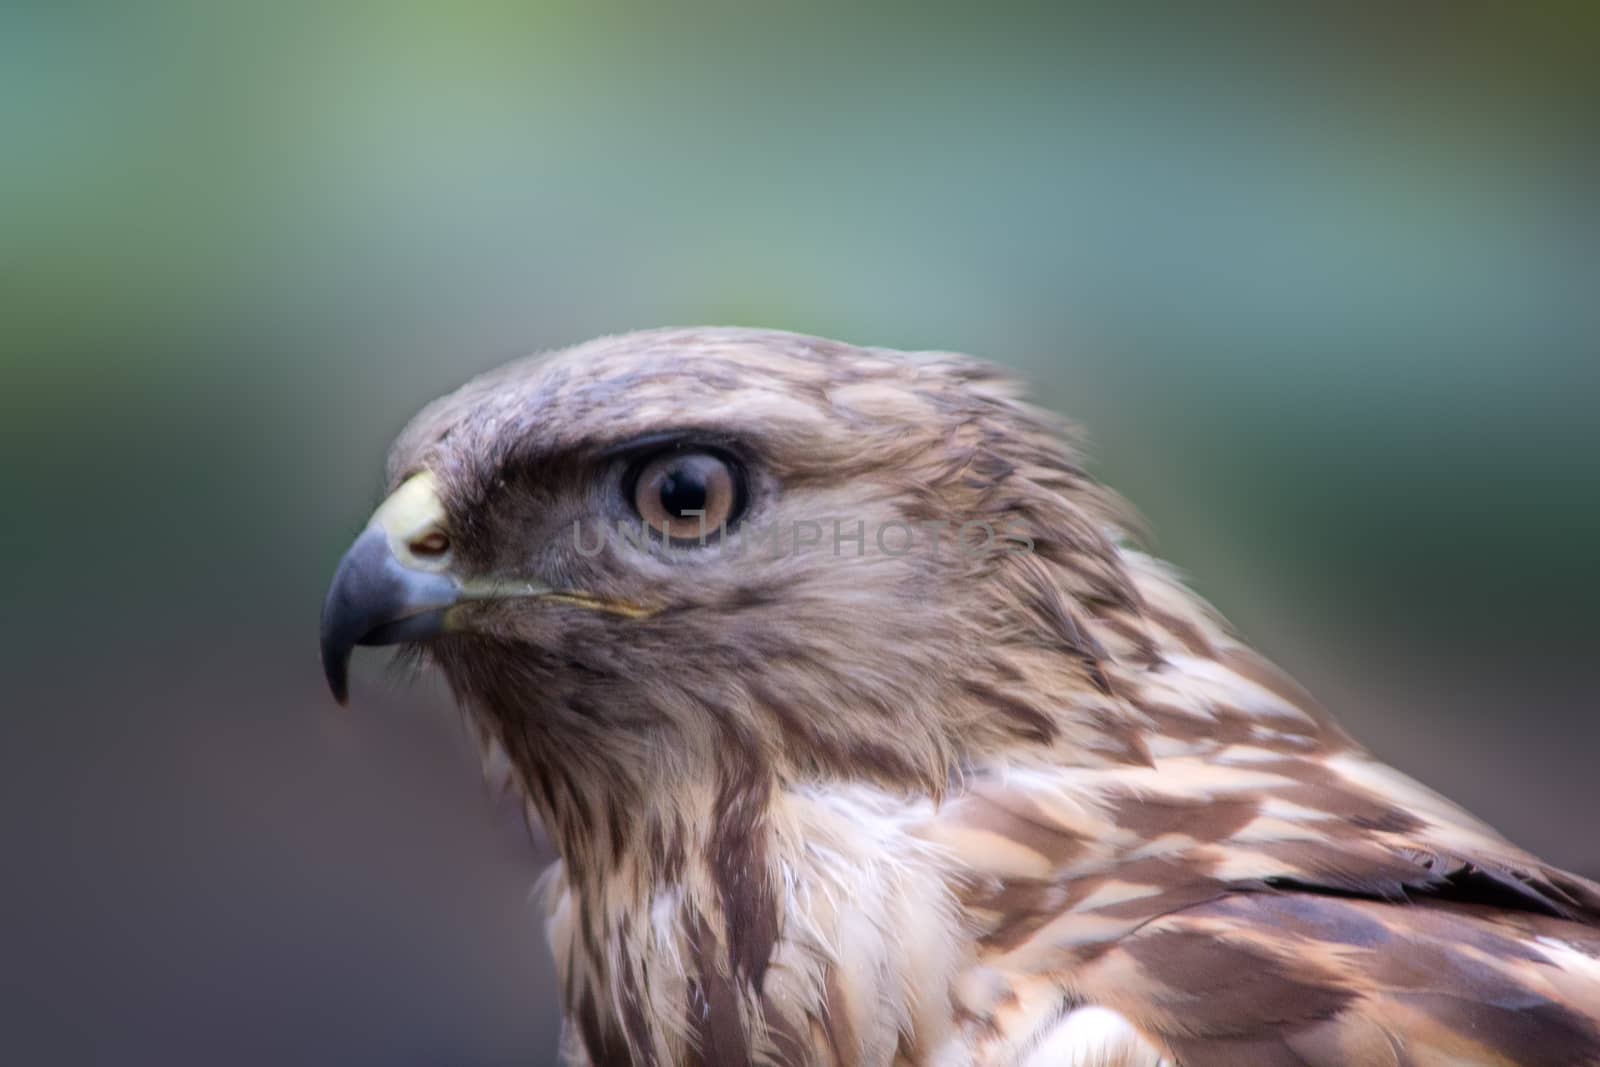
x=866 y=734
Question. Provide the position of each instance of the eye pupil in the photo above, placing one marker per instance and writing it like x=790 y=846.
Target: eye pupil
x=683 y=491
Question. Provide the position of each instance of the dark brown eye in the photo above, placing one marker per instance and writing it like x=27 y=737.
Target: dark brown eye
x=686 y=494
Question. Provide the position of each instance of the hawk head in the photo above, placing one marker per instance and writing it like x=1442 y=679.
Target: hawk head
x=654 y=554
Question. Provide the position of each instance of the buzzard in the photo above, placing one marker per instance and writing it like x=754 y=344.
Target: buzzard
x=866 y=734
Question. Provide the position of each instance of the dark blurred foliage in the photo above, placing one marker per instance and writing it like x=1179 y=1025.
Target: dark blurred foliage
x=1323 y=289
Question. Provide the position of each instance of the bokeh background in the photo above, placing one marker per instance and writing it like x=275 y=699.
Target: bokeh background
x=1322 y=288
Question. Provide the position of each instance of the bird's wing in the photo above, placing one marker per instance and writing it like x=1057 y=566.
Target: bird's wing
x=1314 y=909
x=1296 y=978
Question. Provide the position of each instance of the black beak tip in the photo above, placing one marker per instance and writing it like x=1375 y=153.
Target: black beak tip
x=336 y=661
x=337 y=670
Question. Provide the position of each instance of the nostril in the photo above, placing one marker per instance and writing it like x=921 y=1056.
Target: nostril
x=431 y=545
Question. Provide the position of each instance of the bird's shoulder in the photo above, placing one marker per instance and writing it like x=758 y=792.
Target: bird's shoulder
x=1242 y=906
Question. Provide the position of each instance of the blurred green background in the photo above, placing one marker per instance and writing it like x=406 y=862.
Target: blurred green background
x=1322 y=289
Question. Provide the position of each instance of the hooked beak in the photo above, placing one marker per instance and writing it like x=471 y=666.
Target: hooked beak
x=394 y=584
x=399 y=582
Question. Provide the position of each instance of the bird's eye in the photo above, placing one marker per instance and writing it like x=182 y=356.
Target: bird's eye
x=687 y=495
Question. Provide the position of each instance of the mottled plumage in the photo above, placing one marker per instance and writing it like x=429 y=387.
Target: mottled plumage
x=1027 y=805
